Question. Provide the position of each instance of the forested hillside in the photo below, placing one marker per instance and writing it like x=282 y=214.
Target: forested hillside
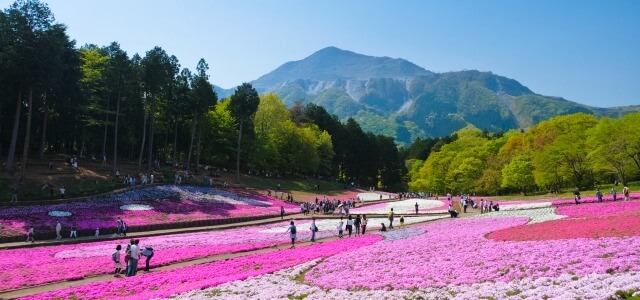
x=99 y=101
x=565 y=152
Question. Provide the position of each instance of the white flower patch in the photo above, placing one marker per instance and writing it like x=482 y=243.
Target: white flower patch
x=525 y=206
x=399 y=207
x=284 y=284
x=372 y=196
x=400 y=234
x=136 y=207
x=59 y=213
x=213 y=195
x=536 y=215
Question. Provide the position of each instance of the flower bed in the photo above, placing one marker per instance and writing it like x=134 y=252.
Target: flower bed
x=594 y=199
x=536 y=215
x=402 y=207
x=152 y=205
x=35 y=266
x=611 y=219
x=447 y=268
x=284 y=284
x=370 y=196
x=455 y=253
x=170 y=282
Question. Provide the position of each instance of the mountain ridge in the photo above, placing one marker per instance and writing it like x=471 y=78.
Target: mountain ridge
x=395 y=97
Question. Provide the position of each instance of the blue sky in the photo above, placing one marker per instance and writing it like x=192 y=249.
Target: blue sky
x=584 y=51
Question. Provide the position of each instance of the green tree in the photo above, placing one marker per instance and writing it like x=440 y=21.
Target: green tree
x=608 y=148
x=120 y=80
x=518 y=174
x=158 y=73
x=243 y=106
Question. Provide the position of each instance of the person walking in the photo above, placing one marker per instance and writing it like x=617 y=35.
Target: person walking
x=625 y=193
x=340 y=223
x=30 y=234
x=313 y=229
x=281 y=212
x=599 y=195
x=292 y=233
x=349 y=225
x=391 y=214
x=356 y=224
x=416 y=207
x=58 y=230
x=576 y=195
x=614 y=193
x=116 y=260
x=62 y=191
x=74 y=233
x=148 y=254
x=401 y=221
x=364 y=224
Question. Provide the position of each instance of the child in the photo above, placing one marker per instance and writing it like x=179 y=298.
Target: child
x=116 y=259
x=384 y=228
x=401 y=221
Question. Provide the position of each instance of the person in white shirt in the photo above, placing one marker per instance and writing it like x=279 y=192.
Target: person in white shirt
x=58 y=230
x=30 y=235
x=340 y=223
x=132 y=267
x=349 y=225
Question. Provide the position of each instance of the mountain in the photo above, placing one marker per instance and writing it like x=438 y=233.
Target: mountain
x=397 y=98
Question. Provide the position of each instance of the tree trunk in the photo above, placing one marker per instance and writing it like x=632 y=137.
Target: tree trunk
x=27 y=135
x=11 y=165
x=43 y=140
x=193 y=135
x=175 y=143
x=106 y=127
x=238 y=153
x=144 y=136
x=115 y=136
x=198 y=150
x=151 y=129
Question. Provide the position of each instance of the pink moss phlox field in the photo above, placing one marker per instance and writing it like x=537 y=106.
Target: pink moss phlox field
x=608 y=219
x=594 y=199
x=599 y=209
x=171 y=282
x=170 y=204
x=455 y=252
x=34 y=266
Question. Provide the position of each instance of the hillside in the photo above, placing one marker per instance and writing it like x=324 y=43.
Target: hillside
x=397 y=98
